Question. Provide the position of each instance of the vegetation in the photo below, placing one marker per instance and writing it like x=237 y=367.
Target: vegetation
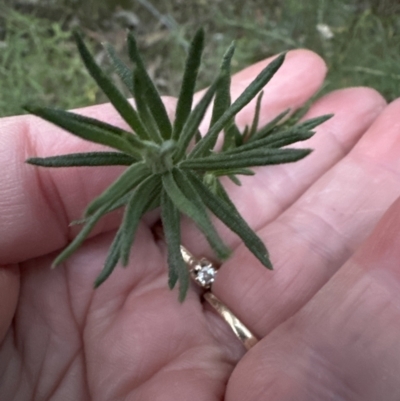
x=359 y=39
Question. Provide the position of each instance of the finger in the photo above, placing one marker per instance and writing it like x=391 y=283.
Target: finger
x=315 y=236
x=263 y=197
x=38 y=204
x=344 y=341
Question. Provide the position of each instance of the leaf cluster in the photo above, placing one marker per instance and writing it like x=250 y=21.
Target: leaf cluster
x=170 y=165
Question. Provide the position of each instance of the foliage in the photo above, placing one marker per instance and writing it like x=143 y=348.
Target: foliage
x=164 y=170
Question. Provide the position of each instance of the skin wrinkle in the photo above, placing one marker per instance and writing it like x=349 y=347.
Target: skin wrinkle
x=139 y=380
x=315 y=383
x=164 y=368
x=36 y=379
x=80 y=328
x=176 y=353
x=316 y=242
x=64 y=374
x=353 y=302
x=196 y=373
x=58 y=209
x=13 y=358
x=70 y=297
x=368 y=160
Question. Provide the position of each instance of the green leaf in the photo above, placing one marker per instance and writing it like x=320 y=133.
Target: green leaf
x=220 y=191
x=154 y=100
x=90 y=129
x=84 y=159
x=187 y=189
x=123 y=71
x=138 y=205
x=206 y=144
x=128 y=180
x=314 y=122
x=269 y=128
x=185 y=99
x=197 y=136
x=233 y=138
x=83 y=234
x=284 y=139
x=223 y=94
x=143 y=109
x=234 y=179
x=117 y=99
x=274 y=140
x=254 y=124
x=111 y=261
x=257 y=157
x=194 y=210
x=238 y=171
x=171 y=225
x=230 y=216
x=191 y=126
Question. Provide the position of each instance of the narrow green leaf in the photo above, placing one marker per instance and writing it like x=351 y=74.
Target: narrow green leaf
x=184 y=185
x=206 y=144
x=257 y=157
x=117 y=99
x=277 y=141
x=197 y=136
x=90 y=129
x=185 y=198
x=221 y=192
x=185 y=99
x=230 y=216
x=238 y=171
x=232 y=137
x=84 y=159
x=314 y=122
x=191 y=126
x=123 y=71
x=269 y=128
x=143 y=109
x=128 y=180
x=256 y=119
x=172 y=276
x=171 y=225
x=154 y=100
x=111 y=261
x=274 y=140
x=138 y=204
x=223 y=93
x=83 y=234
x=234 y=179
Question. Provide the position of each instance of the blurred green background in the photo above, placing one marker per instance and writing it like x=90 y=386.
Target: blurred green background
x=359 y=39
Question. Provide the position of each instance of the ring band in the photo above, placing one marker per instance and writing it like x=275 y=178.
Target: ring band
x=241 y=331
x=203 y=273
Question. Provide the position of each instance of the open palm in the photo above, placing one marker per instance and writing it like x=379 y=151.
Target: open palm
x=132 y=340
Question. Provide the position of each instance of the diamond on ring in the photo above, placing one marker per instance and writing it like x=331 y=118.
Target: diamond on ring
x=204 y=273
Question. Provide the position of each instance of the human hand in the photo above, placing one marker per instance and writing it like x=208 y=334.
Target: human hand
x=131 y=339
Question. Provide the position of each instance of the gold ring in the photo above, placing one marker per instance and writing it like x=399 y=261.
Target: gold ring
x=203 y=272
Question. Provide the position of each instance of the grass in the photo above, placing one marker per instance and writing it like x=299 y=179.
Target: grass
x=38 y=62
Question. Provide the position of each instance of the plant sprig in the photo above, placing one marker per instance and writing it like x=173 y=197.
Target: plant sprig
x=164 y=170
